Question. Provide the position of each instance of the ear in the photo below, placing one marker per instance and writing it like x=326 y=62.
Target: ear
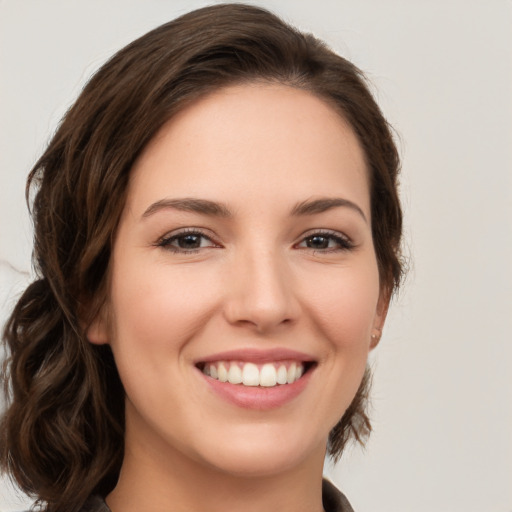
x=380 y=317
x=97 y=331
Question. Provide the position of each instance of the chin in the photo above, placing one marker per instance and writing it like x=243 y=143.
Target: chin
x=262 y=454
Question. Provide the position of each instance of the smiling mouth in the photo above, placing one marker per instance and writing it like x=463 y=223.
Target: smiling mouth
x=249 y=374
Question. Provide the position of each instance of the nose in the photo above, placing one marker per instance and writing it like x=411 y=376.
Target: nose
x=261 y=294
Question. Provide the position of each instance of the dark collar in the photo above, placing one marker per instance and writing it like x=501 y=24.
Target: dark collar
x=334 y=500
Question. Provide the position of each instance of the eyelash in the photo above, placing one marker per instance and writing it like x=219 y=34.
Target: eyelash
x=343 y=243
x=166 y=241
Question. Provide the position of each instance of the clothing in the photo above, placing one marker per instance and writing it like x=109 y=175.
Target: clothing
x=333 y=501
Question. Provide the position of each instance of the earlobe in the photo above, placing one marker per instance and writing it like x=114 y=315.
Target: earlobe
x=376 y=335
x=380 y=318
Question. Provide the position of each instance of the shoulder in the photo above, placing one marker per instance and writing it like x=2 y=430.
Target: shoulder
x=334 y=500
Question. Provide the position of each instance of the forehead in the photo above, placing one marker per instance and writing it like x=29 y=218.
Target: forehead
x=272 y=139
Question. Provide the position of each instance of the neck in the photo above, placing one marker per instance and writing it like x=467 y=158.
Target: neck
x=165 y=480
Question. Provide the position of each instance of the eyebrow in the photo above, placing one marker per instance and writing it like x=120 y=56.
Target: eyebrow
x=189 y=204
x=215 y=209
x=314 y=206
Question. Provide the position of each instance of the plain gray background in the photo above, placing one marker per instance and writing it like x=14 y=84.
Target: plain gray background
x=442 y=71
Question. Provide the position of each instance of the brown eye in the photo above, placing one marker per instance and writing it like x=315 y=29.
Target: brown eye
x=186 y=242
x=317 y=242
x=190 y=241
x=328 y=242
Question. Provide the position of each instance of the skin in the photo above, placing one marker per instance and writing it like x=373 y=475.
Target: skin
x=258 y=281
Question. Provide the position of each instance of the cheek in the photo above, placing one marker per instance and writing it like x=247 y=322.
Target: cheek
x=344 y=304
x=342 y=309
x=157 y=309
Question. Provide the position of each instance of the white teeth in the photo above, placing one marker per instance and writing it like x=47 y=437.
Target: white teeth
x=223 y=373
x=268 y=376
x=249 y=374
x=281 y=375
x=235 y=374
x=290 y=374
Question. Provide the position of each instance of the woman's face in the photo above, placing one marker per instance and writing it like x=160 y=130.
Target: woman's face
x=244 y=253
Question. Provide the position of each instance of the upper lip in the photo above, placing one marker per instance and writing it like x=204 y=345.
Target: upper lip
x=258 y=356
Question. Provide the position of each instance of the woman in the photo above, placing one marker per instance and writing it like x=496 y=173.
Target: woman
x=217 y=234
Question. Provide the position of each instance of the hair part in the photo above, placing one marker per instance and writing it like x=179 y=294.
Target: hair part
x=62 y=436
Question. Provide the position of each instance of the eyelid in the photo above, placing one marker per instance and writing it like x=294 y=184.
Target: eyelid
x=166 y=240
x=344 y=240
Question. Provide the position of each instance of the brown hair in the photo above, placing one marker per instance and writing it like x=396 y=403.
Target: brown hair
x=61 y=438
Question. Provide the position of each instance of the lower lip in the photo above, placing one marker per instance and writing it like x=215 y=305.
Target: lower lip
x=258 y=397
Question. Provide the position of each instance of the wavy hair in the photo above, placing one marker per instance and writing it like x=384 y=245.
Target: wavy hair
x=61 y=437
